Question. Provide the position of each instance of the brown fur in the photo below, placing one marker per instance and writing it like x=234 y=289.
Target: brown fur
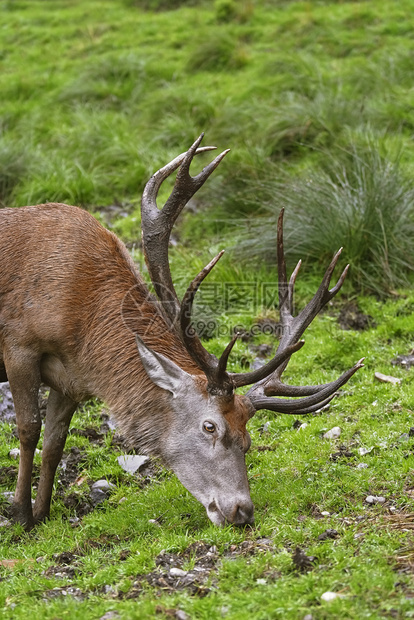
x=72 y=299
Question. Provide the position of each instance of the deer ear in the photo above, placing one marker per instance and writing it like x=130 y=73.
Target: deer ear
x=161 y=370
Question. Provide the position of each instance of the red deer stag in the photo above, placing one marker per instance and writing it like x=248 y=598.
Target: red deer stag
x=76 y=315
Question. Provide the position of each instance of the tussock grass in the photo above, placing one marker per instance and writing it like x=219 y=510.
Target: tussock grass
x=361 y=201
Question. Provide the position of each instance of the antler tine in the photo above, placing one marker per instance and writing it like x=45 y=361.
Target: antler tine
x=157 y=223
x=316 y=407
x=291 y=286
x=205 y=360
x=281 y=267
x=222 y=364
x=283 y=405
x=186 y=186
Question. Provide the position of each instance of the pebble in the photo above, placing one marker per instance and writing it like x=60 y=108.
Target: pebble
x=375 y=499
x=387 y=378
x=15 y=453
x=308 y=617
x=181 y=615
x=325 y=513
x=302 y=426
x=334 y=433
x=103 y=485
x=362 y=465
x=4 y=522
x=330 y=596
x=178 y=572
x=132 y=462
x=261 y=582
x=98 y=496
x=330 y=533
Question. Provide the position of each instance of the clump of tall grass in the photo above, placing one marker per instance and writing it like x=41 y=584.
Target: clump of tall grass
x=230 y=10
x=221 y=53
x=360 y=200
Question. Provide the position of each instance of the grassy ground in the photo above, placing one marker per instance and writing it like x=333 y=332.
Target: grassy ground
x=96 y=95
x=295 y=475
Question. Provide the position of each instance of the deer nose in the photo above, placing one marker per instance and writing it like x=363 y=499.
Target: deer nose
x=243 y=514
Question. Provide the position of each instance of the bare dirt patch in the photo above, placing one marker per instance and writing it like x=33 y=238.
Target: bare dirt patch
x=199 y=578
x=351 y=317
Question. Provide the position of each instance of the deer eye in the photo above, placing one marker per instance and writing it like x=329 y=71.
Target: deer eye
x=209 y=427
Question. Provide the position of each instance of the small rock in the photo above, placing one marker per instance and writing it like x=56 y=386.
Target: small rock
x=392 y=509
x=308 y=617
x=375 y=499
x=110 y=615
x=97 y=496
x=131 y=463
x=359 y=535
x=122 y=500
x=181 y=615
x=8 y=496
x=334 y=433
x=14 y=454
x=4 y=522
x=362 y=466
x=325 y=513
x=364 y=451
x=178 y=572
x=261 y=582
x=330 y=596
x=302 y=426
x=153 y=521
x=387 y=378
x=265 y=428
x=103 y=485
x=330 y=533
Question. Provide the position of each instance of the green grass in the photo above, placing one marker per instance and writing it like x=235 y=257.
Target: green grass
x=291 y=482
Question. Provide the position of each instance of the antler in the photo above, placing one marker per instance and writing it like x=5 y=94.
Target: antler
x=157 y=223
x=292 y=328
x=156 y=229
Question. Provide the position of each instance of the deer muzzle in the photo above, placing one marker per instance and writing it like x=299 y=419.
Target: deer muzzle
x=239 y=512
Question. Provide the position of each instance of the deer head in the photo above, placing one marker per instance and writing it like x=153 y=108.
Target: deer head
x=207 y=437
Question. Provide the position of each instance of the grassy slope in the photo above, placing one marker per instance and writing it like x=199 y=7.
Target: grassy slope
x=95 y=96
